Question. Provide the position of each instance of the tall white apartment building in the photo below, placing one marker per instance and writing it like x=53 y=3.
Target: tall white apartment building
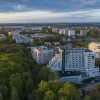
x=63 y=31
x=95 y=47
x=42 y=55
x=89 y=64
x=75 y=59
x=71 y=33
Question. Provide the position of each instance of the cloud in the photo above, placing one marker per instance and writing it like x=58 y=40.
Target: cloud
x=45 y=16
x=47 y=5
x=49 y=10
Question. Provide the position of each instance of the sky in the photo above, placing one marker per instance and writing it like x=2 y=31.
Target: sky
x=42 y=11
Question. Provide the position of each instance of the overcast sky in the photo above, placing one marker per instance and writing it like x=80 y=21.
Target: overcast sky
x=23 y=11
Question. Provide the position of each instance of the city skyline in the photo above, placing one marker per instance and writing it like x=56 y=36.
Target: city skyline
x=35 y=11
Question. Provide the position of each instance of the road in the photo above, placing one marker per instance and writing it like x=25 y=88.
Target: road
x=89 y=86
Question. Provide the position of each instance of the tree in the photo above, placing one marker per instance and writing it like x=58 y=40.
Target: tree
x=14 y=94
x=97 y=62
x=49 y=95
x=44 y=73
x=44 y=86
x=69 y=92
x=16 y=81
x=53 y=76
x=1 y=96
x=29 y=85
x=95 y=93
x=55 y=85
x=93 y=33
x=87 y=97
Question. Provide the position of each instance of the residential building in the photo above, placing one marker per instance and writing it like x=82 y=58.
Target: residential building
x=23 y=39
x=42 y=55
x=63 y=31
x=75 y=59
x=29 y=29
x=55 y=30
x=41 y=35
x=14 y=33
x=95 y=47
x=2 y=36
x=71 y=33
x=84 y=32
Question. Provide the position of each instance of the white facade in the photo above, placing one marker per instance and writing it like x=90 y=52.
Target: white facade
x=23 y=39
x=63 y=31
x=89 y=60
x=93 y=72
x=75 y=59
x=71 y=33
x=95 y=47
x=42 y=55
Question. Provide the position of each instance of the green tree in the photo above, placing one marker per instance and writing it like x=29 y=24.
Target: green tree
x=1 y=96
x=95 y=93
x=69 y=92
x=16 y=81
x=29 y=85
x=55 y=85
x=53 y=76
x=14 y=94
x=44 y=86
x=44 y=73
x=49 y=95
x=87 y=97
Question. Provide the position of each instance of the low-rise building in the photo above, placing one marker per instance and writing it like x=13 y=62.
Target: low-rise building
x=14 y=33
x=41 y=35
x=72 y=79
x=2 y=36
x=30 y=29
x=84 y=32
x=23 y=39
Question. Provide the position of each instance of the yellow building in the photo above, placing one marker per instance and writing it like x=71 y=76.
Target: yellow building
x=95 y=47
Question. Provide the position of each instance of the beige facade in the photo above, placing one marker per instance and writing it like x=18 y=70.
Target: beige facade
x=95 y=47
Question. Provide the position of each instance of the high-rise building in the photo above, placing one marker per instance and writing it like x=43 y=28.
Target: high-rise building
x=63 y=31
x=75 y=59
x=71 y=33
x=42 y=55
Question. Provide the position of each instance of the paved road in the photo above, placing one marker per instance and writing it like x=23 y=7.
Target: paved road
x=89 y=86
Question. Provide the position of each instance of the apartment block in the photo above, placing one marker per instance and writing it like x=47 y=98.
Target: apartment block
x=75 y=59
x=95 y=47
x=42 y=55
x=71 y=33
